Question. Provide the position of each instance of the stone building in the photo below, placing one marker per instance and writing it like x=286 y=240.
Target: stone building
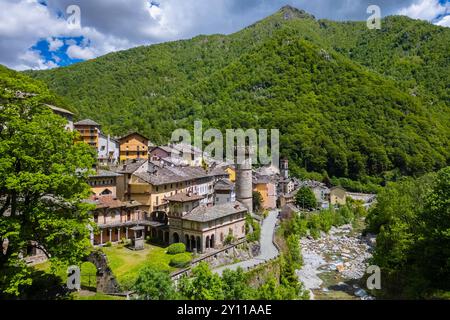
x=202 y=228
x=154 y=182
x=338 y=196
x=114 y=218
x=224 y=192
x=66 y=114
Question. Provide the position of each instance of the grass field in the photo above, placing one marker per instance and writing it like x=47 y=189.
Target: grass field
x=126 y=263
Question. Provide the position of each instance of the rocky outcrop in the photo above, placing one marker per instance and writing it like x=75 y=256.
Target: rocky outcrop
x=106 y=282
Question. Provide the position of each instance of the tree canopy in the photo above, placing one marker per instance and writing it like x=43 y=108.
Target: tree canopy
x=305 y=198
x=43 y=182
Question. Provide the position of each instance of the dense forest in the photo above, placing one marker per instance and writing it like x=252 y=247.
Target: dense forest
x=412 y=220
x=367 y=105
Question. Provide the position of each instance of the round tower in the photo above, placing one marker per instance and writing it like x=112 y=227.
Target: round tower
x=244 y=183
x=285 y=168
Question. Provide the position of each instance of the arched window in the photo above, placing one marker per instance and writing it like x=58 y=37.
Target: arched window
x=106 y=192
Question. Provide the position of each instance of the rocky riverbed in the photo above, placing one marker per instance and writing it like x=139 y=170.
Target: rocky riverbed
x=334 y=264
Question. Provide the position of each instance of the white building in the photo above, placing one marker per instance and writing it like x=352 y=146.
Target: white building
x=108 y=149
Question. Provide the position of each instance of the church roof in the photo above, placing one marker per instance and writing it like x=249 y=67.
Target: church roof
x=204 y=213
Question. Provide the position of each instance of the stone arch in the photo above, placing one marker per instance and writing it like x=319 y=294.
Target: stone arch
x=211 y=245
x=175 y=237
x=193 y=243
x=188 y=246
x=106 y=282
x=106 y=192
x=199 y=244
x=166 y=237
x=207 y=242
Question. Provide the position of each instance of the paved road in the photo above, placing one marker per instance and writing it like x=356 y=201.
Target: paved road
x=268 y=249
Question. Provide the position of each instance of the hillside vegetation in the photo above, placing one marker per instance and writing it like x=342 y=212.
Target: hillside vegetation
x=369 y=105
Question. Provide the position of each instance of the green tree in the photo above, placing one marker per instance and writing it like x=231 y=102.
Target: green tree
x=204 y=284
x=270 y=290
x=235 y=285
x=43 y=185
x=305 y=198
x=435 y=262
x=153 y=284
x=257 y=201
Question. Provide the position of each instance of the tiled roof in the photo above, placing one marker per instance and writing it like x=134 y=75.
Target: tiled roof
x=111 y=202
x=223 y=184
x=204 y=213
x=160 y=175
x=105 y=174
x=184 y=197
x=130 y=166
x=87 y=122
x=60 y=110
x=132 y=133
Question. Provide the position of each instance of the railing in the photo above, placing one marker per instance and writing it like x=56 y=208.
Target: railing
x=177 y=274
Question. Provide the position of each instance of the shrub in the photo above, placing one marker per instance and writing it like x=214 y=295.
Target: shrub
x=176 y=248
x=108 y=244
x=180 y=260
x=230 y=239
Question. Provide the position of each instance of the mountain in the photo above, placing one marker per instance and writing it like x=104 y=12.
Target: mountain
x=350 y=101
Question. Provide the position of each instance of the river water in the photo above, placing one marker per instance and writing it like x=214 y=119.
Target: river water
x=334 y=264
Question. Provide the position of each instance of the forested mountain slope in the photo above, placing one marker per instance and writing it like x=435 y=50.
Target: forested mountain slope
x=352 y=101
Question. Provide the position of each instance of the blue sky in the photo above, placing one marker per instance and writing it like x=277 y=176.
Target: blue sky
x=36 y=34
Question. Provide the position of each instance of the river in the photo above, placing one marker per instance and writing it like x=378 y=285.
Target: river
x=334 y=264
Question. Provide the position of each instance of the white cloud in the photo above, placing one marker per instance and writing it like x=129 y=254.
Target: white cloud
x=31 y=59
x=424 y=9
x=54 y=44
x=444 y=22
x=77 y=52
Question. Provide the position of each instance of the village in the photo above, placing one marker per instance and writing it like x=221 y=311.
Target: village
x=142 y=194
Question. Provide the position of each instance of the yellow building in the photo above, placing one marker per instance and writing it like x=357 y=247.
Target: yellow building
x=152 y=186
x=89 y=131
x=267 y=189
x=232 y=172
x=133 y=146
x=338 y=196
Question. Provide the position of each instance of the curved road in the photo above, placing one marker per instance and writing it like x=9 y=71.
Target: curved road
x=268 y=250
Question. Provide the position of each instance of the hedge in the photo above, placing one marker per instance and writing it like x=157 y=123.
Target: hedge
x=180 y=260
x=176 y=248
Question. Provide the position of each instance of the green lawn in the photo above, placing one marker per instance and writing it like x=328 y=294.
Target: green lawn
x=87 y=270
x=126 y=263
x=95 y=296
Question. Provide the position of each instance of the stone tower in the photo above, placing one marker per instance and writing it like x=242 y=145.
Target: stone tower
x=244 y=182
x=284 y=168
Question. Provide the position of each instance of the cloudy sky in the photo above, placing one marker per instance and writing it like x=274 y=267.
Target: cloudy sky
x=41 y=34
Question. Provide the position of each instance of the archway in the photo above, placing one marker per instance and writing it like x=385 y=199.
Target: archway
x=106 y=281
x=211 y=245
x=176 y=237
x=207 y=242
x=193 y=244
x=188 y=246
x=199 y=244
x=166 y=236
